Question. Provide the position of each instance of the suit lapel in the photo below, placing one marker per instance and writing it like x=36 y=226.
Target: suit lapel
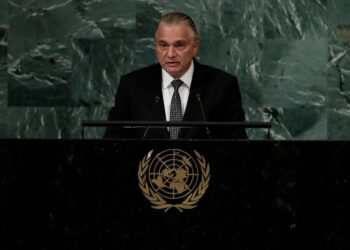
x=155 y=94
x=197 y=87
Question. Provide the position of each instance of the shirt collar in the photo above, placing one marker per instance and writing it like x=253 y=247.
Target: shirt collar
x=186 y=78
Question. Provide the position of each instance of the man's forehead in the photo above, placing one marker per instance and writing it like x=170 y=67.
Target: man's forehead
x=175 y=41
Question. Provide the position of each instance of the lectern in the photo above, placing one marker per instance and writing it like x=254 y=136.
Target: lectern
x=126 y=194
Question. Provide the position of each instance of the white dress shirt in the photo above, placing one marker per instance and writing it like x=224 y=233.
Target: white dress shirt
x=168 y=90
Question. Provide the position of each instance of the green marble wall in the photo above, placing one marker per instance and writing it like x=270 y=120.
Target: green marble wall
x=60 y=61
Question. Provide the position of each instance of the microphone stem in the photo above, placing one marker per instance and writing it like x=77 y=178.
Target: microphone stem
x=203 y=114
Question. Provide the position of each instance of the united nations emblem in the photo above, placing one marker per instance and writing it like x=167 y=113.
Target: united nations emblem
x=173 y=179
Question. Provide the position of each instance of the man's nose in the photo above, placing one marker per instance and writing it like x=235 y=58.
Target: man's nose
x=171 y=51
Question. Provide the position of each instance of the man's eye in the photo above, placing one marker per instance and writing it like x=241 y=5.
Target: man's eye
x=180 y=45
x=163 y=45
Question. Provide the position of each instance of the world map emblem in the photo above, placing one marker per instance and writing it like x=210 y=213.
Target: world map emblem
x=173 y=178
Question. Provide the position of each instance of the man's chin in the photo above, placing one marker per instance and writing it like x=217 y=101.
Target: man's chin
x=173 y=72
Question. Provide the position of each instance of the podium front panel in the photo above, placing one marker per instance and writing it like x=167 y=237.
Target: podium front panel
x=79 y=194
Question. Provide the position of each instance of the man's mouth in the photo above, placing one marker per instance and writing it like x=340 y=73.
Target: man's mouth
x=172 y=64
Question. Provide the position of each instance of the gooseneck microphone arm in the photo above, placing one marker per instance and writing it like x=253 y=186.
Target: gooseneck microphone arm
x=198 y=96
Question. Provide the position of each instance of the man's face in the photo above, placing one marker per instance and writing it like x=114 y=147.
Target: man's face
x=175 y=47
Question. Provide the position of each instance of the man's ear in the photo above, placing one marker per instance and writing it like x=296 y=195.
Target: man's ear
x=196 y=46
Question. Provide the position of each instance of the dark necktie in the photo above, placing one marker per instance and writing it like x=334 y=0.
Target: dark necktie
x=175 y=109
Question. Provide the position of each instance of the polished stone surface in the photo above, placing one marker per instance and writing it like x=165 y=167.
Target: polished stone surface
x=60 y=61
x=76 y=194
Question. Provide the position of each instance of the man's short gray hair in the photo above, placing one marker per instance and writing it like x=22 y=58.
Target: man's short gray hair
x=178 y=18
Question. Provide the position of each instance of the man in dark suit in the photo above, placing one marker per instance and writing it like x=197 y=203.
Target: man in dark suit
x=178 y=88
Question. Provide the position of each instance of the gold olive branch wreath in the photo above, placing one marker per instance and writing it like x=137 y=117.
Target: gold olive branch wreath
x=158 y=201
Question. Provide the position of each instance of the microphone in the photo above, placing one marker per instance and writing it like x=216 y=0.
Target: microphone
x=156 y=101
x=198 y=96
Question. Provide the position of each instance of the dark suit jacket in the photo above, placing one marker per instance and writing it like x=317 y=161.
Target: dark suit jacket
x=139 y=98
